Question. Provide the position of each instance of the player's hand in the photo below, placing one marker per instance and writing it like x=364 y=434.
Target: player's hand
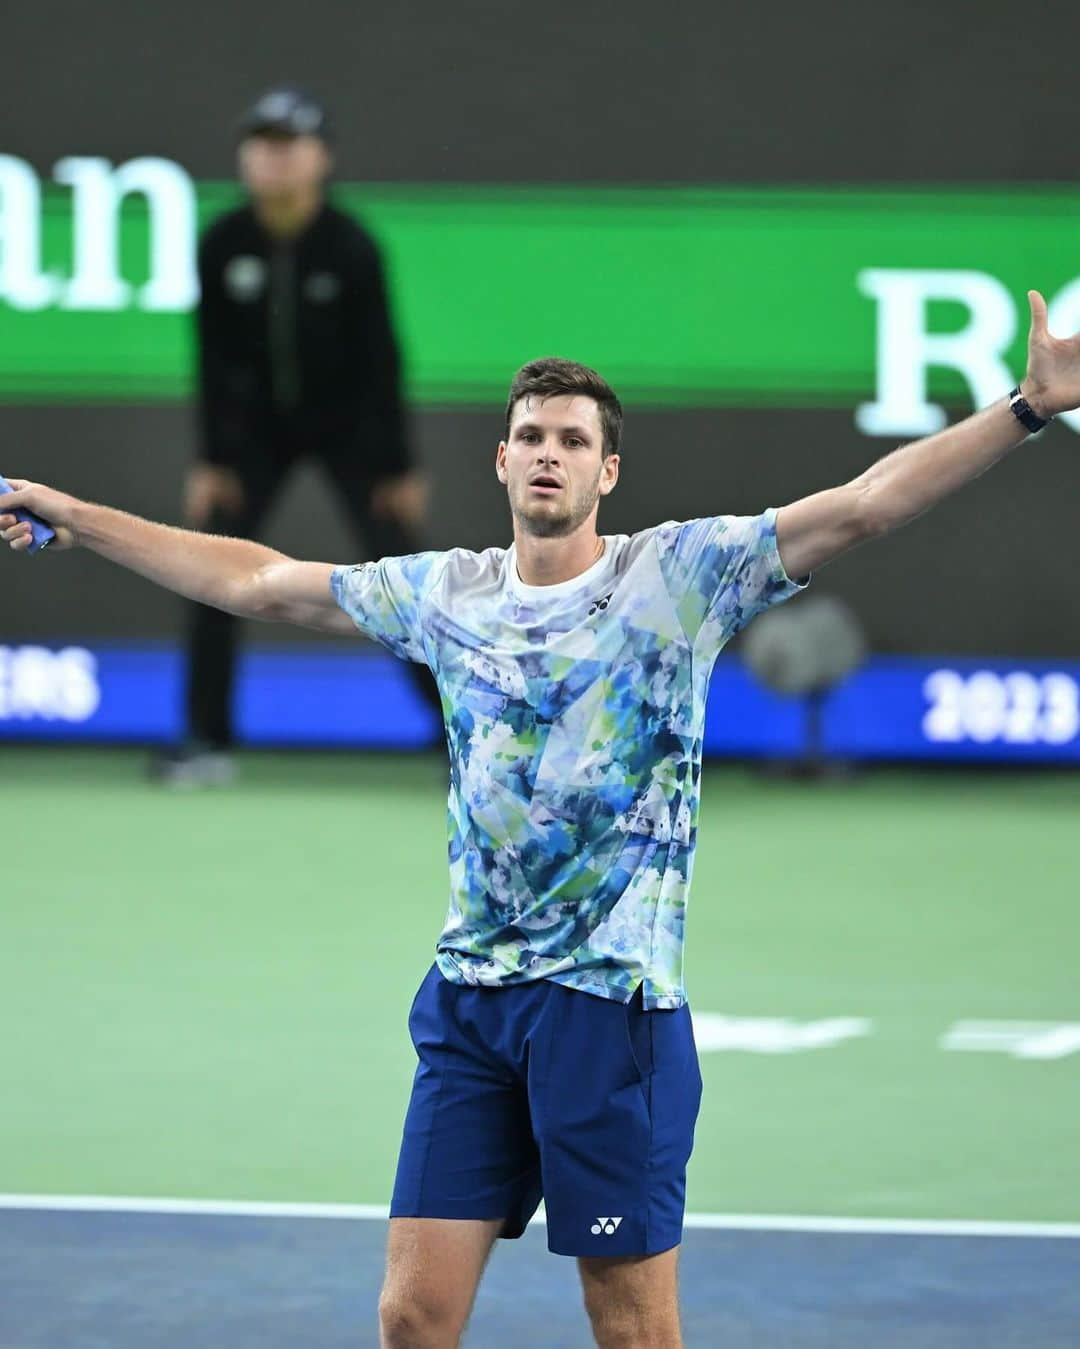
x=55 y=509
x=211 y=487
x=1052 y=383
x=403 y=498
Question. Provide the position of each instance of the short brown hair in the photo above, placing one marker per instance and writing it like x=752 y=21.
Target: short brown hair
x=552 y=377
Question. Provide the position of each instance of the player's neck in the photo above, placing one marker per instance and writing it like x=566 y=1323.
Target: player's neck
x=286 y=217
x=548 y=561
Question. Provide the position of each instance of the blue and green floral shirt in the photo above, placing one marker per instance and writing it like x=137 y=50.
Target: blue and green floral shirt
x=574 y=715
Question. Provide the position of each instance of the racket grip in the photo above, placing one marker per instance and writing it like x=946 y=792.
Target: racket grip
x=41 y=533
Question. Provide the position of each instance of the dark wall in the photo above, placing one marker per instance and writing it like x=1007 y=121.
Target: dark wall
x=569 y=90
x=993 y=570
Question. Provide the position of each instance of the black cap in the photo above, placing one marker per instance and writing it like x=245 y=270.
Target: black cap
x=286 y=110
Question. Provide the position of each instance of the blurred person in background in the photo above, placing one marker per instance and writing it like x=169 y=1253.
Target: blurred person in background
x=297 y=358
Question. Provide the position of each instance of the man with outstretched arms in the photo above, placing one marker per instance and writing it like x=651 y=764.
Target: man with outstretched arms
x=556 y=1056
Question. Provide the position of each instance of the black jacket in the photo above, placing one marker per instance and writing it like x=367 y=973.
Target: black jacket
x=296 y=348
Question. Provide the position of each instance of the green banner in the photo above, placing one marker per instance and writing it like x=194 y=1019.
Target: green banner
x=691 y=297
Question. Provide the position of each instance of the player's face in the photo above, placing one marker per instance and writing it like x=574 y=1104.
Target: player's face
x=553 y=464
x=273 y=165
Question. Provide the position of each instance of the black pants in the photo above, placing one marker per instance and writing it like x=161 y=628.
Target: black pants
x=212 y=634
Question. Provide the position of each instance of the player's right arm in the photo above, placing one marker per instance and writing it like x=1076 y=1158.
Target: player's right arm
x=236 y=575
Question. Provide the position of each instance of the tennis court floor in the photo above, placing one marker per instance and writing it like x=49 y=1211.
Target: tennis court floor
x=204 y=996
x=137 y=1280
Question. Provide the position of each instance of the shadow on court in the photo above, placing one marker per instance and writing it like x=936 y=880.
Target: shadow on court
x=116 y=1280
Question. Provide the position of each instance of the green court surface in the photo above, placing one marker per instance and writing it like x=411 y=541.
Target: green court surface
x=205 y=994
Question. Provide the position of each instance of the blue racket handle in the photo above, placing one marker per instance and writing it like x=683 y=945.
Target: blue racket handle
x=41 y=534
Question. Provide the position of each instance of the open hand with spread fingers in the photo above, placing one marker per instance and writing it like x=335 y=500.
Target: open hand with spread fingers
x=1052 y=383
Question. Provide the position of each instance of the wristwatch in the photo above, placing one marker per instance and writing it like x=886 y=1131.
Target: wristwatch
x=1022 y=410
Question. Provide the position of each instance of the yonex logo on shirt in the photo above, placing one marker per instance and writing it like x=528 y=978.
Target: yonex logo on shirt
x=605 y=1226
x=598 y=606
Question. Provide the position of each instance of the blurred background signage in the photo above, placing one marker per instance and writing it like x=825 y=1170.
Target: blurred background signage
x=896 y=301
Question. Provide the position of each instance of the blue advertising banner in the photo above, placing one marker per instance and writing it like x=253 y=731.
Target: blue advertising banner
x=893 y=708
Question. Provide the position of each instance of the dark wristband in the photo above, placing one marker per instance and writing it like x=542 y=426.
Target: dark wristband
x=1022 y=410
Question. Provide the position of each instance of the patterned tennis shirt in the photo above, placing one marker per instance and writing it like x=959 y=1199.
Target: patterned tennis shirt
x=574 y=714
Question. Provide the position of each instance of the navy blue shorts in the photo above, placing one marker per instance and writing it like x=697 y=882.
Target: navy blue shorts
x=541 y=1091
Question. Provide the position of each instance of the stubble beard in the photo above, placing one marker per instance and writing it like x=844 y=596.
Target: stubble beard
x=546 y=525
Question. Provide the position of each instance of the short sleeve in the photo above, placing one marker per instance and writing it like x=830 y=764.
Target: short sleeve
x=385 y=599
x=722 y=571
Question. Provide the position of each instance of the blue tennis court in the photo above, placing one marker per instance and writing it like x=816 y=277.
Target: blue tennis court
x=138 y=1279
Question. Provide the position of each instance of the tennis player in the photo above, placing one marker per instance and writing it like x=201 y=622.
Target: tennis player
x=556 y=1056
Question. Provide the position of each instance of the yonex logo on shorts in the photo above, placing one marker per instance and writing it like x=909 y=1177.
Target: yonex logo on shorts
x=605 y=1226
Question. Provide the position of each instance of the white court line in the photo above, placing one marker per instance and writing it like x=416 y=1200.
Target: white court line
x=736 y=1222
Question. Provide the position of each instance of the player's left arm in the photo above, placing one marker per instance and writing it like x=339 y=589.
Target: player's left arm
x=915 y=477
